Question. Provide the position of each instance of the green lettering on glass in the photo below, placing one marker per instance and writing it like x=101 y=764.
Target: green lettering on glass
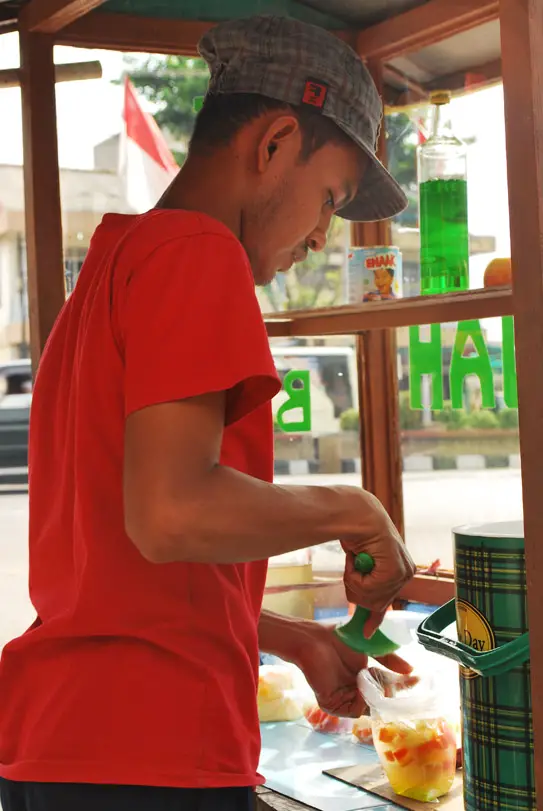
x=478 y=364
x=297 y=398
x=197 y=103
x=510 y=393
x=425 y=359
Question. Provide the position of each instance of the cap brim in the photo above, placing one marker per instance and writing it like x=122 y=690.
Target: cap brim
x=379 y=196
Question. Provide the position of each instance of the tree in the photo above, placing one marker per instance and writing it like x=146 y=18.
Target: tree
x=171 y=84
x=402 y=140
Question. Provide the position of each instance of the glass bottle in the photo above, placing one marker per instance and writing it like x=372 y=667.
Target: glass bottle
x=443 y=200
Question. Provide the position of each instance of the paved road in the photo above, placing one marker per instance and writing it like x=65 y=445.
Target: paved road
x=434 y=503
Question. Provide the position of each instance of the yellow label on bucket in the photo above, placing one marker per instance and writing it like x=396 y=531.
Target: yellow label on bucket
x=474 y=631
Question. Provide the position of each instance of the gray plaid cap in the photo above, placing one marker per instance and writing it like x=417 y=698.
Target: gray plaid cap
x=299 y=63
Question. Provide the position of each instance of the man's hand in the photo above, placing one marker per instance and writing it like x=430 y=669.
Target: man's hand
x=331 y=668
x=393 y=568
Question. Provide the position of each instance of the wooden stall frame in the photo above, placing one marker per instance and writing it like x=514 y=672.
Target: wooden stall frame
x=50 y=16
x=380 y=441
x=487 y=303
x=65 y=72
x=424 y=25
x=522 y=44
x=434 y=20
x=43 y=221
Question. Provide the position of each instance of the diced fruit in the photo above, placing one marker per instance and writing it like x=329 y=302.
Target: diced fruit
x=362 y=730
x=419 y=758
x=387 y=734
x=322 y=722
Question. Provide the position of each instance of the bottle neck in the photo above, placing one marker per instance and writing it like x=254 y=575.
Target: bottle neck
x=438 y=120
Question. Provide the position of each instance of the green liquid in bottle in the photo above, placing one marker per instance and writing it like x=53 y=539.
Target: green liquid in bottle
x=444 y=257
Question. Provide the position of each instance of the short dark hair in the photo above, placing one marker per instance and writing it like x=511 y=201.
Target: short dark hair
x=224 y=114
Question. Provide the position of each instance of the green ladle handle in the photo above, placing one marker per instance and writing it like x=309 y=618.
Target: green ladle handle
x=352 y=633
x=364 y=563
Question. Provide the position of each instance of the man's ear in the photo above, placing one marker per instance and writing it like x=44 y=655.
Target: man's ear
x=279 y=137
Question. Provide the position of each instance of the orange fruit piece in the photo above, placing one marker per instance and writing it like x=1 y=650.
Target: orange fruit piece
x=498 y=272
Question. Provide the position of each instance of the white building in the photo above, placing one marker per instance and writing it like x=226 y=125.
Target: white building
x=86 y=196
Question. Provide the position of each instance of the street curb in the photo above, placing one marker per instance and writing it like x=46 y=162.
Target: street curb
x=13 y=475
x=416 y=463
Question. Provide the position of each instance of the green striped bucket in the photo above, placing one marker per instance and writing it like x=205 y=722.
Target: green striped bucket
x=493 y=653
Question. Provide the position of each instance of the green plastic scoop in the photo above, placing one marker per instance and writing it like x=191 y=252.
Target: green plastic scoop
x=387 y=639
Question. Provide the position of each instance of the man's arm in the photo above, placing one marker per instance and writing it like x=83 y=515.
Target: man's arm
x=330 y=667
x=286 y=637
x=182 y=505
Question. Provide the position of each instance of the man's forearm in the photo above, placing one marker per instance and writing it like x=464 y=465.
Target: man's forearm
x=228 y=517
x=285 y=637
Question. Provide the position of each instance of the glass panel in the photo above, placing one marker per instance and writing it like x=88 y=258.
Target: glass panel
x=467 y=65
x=316 y=443
x=320 y=281
x=459 y=421
x=16 y=613
x=103 y=170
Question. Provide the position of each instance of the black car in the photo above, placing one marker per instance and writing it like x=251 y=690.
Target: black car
x=15 y=398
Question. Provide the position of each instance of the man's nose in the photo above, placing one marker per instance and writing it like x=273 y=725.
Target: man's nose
x=317 y=241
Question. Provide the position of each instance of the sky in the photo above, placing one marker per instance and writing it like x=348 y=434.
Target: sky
x=89 y=112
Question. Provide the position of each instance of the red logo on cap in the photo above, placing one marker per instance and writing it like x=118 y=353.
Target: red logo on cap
x=315 y=94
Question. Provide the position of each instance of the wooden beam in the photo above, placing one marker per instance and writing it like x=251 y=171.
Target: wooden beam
x=522 y=46
x=380 y=440
x=50 y=16
x=409 y=86
x=68 y=72
x=429 y=590
x=422 y=589
x=380 y=446
x=459 y=83
x=425 y=25
x=401 y=313
x=467 y=81
x=46 y=291
x=122 y=32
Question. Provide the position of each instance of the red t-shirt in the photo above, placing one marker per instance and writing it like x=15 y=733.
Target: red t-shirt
x=137 y=673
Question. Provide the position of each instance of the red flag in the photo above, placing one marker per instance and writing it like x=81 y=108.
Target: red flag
x=147 y=163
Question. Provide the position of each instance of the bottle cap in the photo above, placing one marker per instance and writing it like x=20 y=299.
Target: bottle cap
x=440 y=97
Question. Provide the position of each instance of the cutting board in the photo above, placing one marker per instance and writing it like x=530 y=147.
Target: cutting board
x=371 y=778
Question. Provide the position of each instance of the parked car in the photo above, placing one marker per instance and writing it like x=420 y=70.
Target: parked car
x=15 y=399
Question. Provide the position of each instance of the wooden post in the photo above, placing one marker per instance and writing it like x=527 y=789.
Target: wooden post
x=46 y=290
x=380 y=439
x=522 y=65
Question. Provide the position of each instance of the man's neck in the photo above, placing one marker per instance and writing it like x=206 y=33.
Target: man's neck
x=208 y=185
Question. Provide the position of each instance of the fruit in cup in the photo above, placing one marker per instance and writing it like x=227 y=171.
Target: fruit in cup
x=419 y=758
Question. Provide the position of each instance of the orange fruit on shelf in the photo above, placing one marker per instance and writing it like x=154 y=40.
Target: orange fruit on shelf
x=498 y=272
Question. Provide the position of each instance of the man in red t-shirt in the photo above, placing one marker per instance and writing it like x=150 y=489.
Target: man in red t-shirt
x=152 y=512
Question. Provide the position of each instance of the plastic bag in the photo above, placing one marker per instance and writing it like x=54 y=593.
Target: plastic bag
x=322 y=721
x=362 y=730
x=282 y=694
x=415 y=742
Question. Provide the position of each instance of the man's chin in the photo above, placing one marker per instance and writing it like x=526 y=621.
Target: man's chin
x=265 y=278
